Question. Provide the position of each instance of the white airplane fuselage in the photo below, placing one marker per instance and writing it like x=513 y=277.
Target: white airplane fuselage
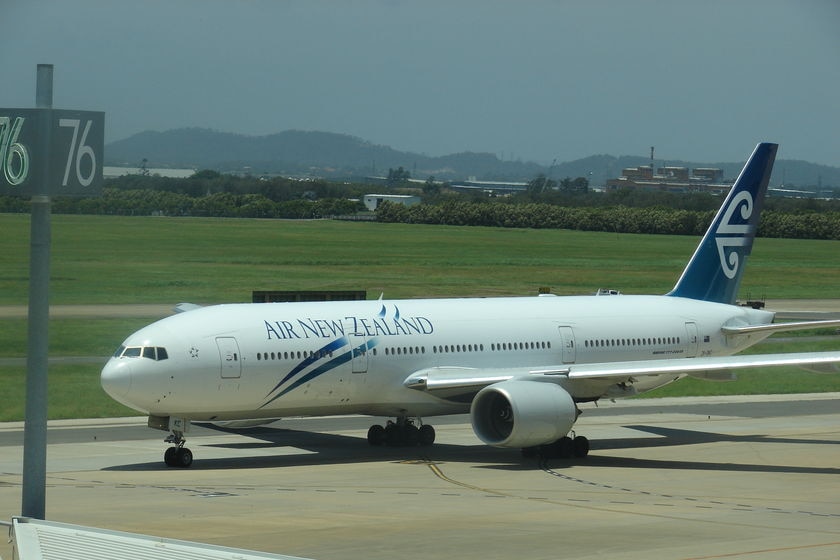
x=246 y=361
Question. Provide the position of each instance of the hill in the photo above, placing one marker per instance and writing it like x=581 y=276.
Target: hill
x=299 y=152
x=326 y=154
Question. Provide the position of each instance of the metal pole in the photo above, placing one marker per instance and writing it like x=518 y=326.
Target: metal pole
x=35 y=428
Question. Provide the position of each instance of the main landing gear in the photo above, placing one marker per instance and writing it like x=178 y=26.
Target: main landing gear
x=564 y=448
x=177 y=455
x=403 y=432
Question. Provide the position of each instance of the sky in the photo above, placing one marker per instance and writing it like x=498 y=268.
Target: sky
x=528 y=80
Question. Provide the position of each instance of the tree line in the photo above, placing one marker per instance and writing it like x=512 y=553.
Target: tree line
x=567 y=204
x=570 y=204
x=161 y=203
x=619 y=219
x=208 y=193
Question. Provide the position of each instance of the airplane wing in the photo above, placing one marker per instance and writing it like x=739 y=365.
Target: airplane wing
x=452 y=381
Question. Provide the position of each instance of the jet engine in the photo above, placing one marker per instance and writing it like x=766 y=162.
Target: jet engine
x=520 y=413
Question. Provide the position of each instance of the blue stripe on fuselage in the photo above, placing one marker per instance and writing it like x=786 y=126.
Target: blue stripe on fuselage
x=311 y=359
x=322 y=369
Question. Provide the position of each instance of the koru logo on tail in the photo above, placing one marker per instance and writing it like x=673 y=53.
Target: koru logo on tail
x=729 y=236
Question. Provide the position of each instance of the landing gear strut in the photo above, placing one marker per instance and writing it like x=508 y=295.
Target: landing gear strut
x=403 y=432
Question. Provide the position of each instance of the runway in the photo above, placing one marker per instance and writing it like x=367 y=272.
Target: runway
x=734 y=477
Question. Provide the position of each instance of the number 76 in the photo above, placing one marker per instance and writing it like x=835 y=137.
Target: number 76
x=81 y=151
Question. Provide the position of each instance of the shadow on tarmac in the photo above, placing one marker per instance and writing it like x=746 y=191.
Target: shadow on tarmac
x=333 y=449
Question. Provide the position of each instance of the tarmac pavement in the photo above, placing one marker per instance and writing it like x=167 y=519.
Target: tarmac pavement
x=727 y=477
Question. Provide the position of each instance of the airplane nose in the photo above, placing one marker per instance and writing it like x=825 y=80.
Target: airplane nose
x=116 y=378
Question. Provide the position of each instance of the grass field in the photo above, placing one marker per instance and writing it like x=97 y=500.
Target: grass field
x=111 y=260
x=100 y=259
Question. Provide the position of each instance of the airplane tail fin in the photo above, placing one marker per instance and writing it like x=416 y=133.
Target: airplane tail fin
x=715 y=270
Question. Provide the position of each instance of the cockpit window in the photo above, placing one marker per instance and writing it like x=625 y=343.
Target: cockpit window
x=156 y=353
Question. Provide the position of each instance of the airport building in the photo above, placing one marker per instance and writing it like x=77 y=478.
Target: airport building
x=372 y=201
x=671 y=179
x=112 y=172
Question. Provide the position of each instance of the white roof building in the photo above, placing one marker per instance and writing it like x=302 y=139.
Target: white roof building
x=372 y=201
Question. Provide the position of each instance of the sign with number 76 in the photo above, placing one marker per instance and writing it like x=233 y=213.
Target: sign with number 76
x=51 y=151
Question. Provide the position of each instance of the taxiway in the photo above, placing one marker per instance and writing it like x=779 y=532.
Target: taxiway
x=734 y=477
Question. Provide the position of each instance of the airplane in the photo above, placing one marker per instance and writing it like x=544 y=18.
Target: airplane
x=520 y=366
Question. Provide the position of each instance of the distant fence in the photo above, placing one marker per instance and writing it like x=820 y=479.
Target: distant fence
x=270 y=296
x=356 y=217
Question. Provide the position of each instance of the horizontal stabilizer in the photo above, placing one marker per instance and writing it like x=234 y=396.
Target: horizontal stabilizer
x=781 y=327
x=184 y=307
x=823 y=368
x=702 y=366
x=723 y=375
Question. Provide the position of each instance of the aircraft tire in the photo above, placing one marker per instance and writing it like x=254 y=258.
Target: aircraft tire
x=410 y=435
x=376 y=435
x=426 y=435
x=580 y=446
x=169 y=456
x=530 y=452
x=183 y=458
x=563 y=448
x=393 y=435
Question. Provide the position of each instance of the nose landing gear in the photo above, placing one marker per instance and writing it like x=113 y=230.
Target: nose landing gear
x=177 y=455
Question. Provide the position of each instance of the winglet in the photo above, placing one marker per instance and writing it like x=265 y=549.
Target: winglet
x=714 y=272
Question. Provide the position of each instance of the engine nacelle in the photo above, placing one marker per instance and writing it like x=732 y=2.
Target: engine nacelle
x=520 y=413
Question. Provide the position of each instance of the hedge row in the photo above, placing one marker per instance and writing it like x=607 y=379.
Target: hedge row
x=222 y=204
x=621 y=219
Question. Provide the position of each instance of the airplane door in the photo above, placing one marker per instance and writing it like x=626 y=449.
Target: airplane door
x=358 y=346
x=567 y=344
x=693 y=339
x=229 y=357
